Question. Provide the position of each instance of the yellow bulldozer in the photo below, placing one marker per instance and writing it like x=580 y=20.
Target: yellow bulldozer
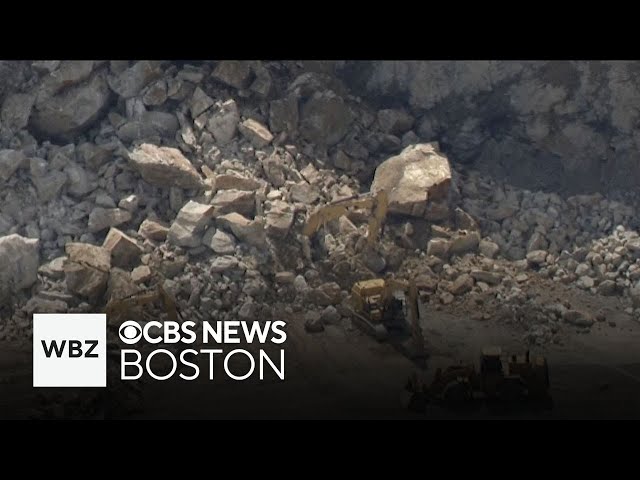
x=378 y=309
x=378 y=204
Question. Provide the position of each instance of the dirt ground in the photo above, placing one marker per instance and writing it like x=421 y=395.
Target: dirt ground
x=344 y=374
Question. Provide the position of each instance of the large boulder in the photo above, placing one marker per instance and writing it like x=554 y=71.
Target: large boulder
x=19 y=258
x=325 y=118
x=87 y=269
x=420 y=174
x=165 y=167
x=72 y=110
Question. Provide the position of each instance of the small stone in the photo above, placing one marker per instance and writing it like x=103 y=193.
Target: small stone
x=223 y=124
x=249 y=231
x=488 y=277
x=537 y=257
x=129 y=203
x=607 y=288
x=190 y=223
x=165 y=167
x=304 y=193
x=220 y=242
x=582 y=269
x=279 y=219
x=153 y=230
x=577 y=318
x=105 y=201
x=330 y=316
x=488 y=249
x=521 y=277
x=103 y=218
x=241 y=201
x=585 y=282
x=141 y=274
x=464 y=242
x=300 y=284
x=313 y=322
x=235 y=73
x=256 y=133
x=285 y=278
x=10 y=161
x=446 y=298
x=125 y=252
x=224 y=263
x=438 y=247
x=395 y=121
x=462 y=284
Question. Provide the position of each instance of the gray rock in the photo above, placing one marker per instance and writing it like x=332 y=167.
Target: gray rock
x=129 y=203
x=53 y=269
x=326 y=294
x=300 y=284
x=438 y=247
x=223 y=124
x=537 y=242
x=607 y=288
x=153 y=230
x=284 y=114
x=249 y=231
x=583 y=269
x=313 y=322
x=131 y=82
x=488 y=249
x=585 y=282
x=87 y=269
x=490 y=278
x=330 y=316
x=235 y=73
x=274 y=170
x=19 y=259
x=125 y=251
x=141 y=274
x=224 y=263
x=72 y=111
x=103 y=218
x=577 y=318
x=78 y=180
x=462 y=284
x=186 y=230
x=417 y=176
x=285 y=278
x=304 y=193
x=537 y=257
x=394 y=121
x=325 y=119
x=373 y=260
x=165 y=166
x=256 y=133
x=236 y=182
x=105 y=201
x=279 y=219
x=241 y=201
x=156 y=94
x=10 y=161
x=200 y=102
x=249 y=311
x=220 y=242
x=464 y=242
x=16 y=110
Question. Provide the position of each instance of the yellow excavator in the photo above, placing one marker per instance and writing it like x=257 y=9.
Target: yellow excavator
x=378 y=204
x=377 y=309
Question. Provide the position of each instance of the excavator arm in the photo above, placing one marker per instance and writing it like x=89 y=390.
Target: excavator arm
x=322 y=215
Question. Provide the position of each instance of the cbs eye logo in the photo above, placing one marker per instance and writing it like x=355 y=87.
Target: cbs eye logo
x=130 y=332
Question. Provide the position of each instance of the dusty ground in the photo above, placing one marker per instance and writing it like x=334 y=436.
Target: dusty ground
x=342 y=373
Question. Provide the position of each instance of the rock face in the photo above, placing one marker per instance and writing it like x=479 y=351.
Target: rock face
x=19 y=261
x=165 y=167
x=418 y=175
x=541 y=143
x=72 y=110
x=325 y=118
